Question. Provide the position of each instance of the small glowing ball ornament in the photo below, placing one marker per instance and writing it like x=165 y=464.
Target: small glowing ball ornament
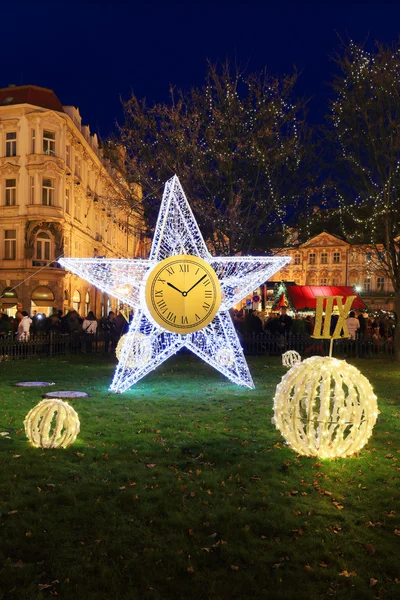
x=325 y=407
x=291 y=358
x=52 y=424
x=141 y=349
x=225 y=357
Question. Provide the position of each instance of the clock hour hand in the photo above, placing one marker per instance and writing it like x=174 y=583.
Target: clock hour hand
x=197 y=283
x=175 y=288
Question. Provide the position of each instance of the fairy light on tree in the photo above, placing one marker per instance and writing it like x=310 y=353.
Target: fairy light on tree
x=238 y=144
x=366 y=133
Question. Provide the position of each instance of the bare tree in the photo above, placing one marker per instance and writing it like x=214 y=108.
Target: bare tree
x=366 y=132
x=237 y=144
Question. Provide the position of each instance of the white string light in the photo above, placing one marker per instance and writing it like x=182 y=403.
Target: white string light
x=325 y=407
x=177 y=233
x=52 y=424
x=291 y=358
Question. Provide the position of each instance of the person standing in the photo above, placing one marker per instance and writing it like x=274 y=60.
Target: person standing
x=89 y=328
x=110 y=331
x=285 y=322
x=363 y=324
x=353 y=325
x=24 y=326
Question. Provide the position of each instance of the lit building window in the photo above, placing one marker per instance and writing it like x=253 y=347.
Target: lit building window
x=43 y=246
x=48 y=192
x=68 y=155
x=67 y=207
x=76 y=301
x=367 y=284
x=77 y=166
x=87 y=302
x=324 y=258
x=323 y=281
x=311 y=258
x=297 y=259
x=49 y=143
x=336 y=258
x=380 y=284
x=77 y=207
x=11 y=192
x=31 y=190
x=10 y=244
x=11 y=143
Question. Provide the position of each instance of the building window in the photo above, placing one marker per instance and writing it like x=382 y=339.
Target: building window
x=43 y=246
x=367 y=284
x=311 y=258
x=77 y=166
x=48 y=192
x=31 y=190
x=76 y=301
x=336 y=258
x=67 y=200
x=11 y=143
x=33 y=141
x=297 y=259
x=87 y=302
x=11 y=192
x=77 y=208
x=368 y=256
x=380 y=284
x=68 y=155
x=323 y=281
x=10 y=244
x=324 y=258
x=49 y=143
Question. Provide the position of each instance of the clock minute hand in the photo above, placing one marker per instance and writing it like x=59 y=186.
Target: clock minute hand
x=197 y=283
x=175 y=288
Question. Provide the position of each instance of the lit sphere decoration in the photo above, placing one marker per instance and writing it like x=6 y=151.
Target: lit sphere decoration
x=225 y=357
x=325 y=407
x=291 y=358
x=52 y=424
x=140 y=346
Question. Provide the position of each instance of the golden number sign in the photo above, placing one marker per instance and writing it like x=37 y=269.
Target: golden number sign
x=322 y=328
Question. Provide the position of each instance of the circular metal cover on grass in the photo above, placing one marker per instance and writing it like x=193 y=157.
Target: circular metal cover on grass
x=66 y=394
x=35 y=383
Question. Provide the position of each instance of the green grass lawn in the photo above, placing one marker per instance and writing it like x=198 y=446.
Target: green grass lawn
x=182 y=488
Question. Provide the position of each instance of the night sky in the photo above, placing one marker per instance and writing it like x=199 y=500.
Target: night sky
x=92 y=53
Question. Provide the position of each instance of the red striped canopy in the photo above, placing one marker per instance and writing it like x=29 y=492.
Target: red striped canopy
x=303 y=297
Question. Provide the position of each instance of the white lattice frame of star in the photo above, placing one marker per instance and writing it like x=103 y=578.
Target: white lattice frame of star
x=176 y=233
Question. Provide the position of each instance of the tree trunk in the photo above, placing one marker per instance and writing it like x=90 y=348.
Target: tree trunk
x=397 y=328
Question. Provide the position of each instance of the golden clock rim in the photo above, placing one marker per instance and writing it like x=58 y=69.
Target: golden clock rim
x=149 y=295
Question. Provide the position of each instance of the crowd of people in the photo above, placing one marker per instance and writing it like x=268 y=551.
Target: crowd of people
x=376 y=328
x=359 y=324
x=22 y=326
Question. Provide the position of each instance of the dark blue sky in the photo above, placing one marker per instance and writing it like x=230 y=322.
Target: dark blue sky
x=91 y=53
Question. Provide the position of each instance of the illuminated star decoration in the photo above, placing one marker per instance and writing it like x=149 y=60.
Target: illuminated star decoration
x=177 y=233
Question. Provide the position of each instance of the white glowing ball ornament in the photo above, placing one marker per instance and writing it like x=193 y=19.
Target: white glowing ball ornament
x=325 y=407
x=291 y=358
x=141 y=349
x=52 y=424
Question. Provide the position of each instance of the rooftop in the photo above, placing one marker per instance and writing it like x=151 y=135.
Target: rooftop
x=30 y=94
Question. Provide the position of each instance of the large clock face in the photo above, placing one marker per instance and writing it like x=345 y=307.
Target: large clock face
x=183 y=293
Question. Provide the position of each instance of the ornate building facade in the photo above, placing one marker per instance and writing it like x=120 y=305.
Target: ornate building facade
x=326 y=259
x=58 y=196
